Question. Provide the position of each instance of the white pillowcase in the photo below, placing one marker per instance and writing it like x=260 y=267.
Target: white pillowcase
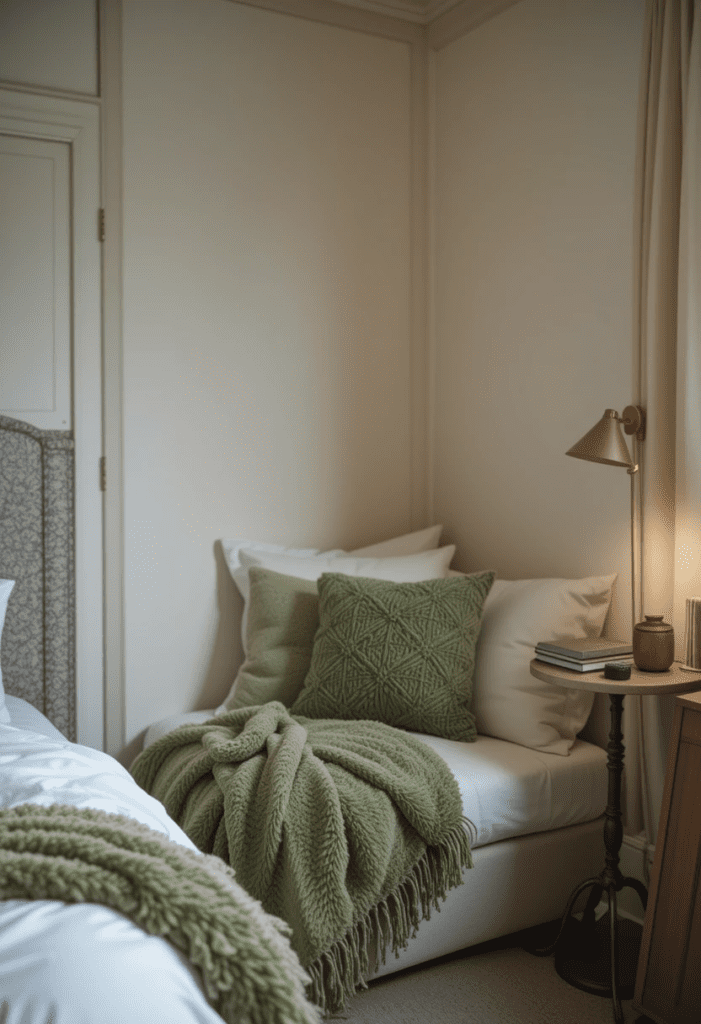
x=426 y=565
x=407 y=544
x=5 y=591
x=508 y=702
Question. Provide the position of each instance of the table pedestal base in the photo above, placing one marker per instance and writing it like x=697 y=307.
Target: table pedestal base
x=583 y=957
x=594 y=956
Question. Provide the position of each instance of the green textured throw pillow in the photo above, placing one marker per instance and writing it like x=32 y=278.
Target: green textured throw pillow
x=283 y=615
x=399 y=653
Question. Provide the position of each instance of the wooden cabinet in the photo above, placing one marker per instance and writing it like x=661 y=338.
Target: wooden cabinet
x=668 y=983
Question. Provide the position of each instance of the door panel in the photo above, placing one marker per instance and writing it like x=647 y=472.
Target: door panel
x=35 y=283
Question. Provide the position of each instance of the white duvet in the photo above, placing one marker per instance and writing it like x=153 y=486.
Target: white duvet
x=85 y=963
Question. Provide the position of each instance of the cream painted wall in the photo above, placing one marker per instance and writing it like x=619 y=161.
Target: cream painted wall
x=535 y=120
x=266 y=316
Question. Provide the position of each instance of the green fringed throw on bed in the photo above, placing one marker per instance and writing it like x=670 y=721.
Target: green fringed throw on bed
x=79 y=855
x=349 y=831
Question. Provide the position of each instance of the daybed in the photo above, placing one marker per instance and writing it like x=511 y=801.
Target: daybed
x=534 y=790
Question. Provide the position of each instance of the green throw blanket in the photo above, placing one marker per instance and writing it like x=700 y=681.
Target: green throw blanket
x=77 y=855
x=349 y=831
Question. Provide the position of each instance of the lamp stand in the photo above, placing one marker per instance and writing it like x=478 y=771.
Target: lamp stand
x=633 y=420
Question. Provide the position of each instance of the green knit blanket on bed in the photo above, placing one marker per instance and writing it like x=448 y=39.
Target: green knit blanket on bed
x=77 y=855
x=349 y=831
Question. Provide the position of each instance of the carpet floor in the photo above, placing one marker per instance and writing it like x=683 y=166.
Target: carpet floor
x=495 y=983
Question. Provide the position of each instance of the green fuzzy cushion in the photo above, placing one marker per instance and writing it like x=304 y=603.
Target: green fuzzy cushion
x=283 y=616
x=399 y=653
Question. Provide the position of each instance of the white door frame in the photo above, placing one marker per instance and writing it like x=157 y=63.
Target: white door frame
x=78 y=124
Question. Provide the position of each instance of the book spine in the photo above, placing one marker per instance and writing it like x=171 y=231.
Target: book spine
x=565 y=652
x=578 y=666
x=582 y=658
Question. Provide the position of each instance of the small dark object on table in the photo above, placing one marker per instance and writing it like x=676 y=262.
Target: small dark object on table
x=616 y=670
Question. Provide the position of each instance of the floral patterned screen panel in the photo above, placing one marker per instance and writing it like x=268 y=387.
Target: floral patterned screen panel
x=37 y=550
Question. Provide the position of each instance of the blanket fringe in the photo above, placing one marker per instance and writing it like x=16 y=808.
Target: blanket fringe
x=339 y=972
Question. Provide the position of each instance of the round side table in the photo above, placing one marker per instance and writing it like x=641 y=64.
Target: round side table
x=588 y=964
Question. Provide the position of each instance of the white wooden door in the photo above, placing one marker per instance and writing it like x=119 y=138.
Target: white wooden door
x=50 y=329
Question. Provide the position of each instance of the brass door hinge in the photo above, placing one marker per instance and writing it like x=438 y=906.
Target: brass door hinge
x=101 y=224
x=103 y=473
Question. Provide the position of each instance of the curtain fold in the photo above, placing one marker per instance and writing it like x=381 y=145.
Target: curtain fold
x=668 y=371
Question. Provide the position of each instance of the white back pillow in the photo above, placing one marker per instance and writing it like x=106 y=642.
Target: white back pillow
x=407 y=544
x=508 y=702
x=427 y=565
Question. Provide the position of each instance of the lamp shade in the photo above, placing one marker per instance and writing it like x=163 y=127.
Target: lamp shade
x=604 y=443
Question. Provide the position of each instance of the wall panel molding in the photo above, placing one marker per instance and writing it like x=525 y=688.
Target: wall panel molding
x=343 y=16
x=443 y=21
x=463 y=18
x=35 y=385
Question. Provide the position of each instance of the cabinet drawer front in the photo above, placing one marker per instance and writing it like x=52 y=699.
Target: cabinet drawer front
x=671 y=991
x=691 y=727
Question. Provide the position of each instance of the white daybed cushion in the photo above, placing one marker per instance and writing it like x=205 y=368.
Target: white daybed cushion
x=84 y=963
x=507 y=790
x=5 y=591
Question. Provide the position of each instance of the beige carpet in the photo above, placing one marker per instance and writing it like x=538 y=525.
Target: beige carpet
x=495 y=983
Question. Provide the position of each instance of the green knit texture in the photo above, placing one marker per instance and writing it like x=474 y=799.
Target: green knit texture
x=349 y=831
x=283 y=615
x=79 y=855
x=399 y=653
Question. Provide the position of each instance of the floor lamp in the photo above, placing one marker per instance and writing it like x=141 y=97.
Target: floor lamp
x=583 y=965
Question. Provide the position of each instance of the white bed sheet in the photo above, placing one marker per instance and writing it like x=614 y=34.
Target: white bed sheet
x=84 y=963
x=507 y=790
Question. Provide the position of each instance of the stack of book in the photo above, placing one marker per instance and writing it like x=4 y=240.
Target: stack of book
x=585 y=655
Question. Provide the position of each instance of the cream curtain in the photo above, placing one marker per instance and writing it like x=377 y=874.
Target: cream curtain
x=668 y=293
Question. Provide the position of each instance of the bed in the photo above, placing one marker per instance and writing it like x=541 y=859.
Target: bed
x=82 y=962
x=533 y=788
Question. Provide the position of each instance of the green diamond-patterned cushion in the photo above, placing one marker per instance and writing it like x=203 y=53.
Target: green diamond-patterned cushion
x=399 y=653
